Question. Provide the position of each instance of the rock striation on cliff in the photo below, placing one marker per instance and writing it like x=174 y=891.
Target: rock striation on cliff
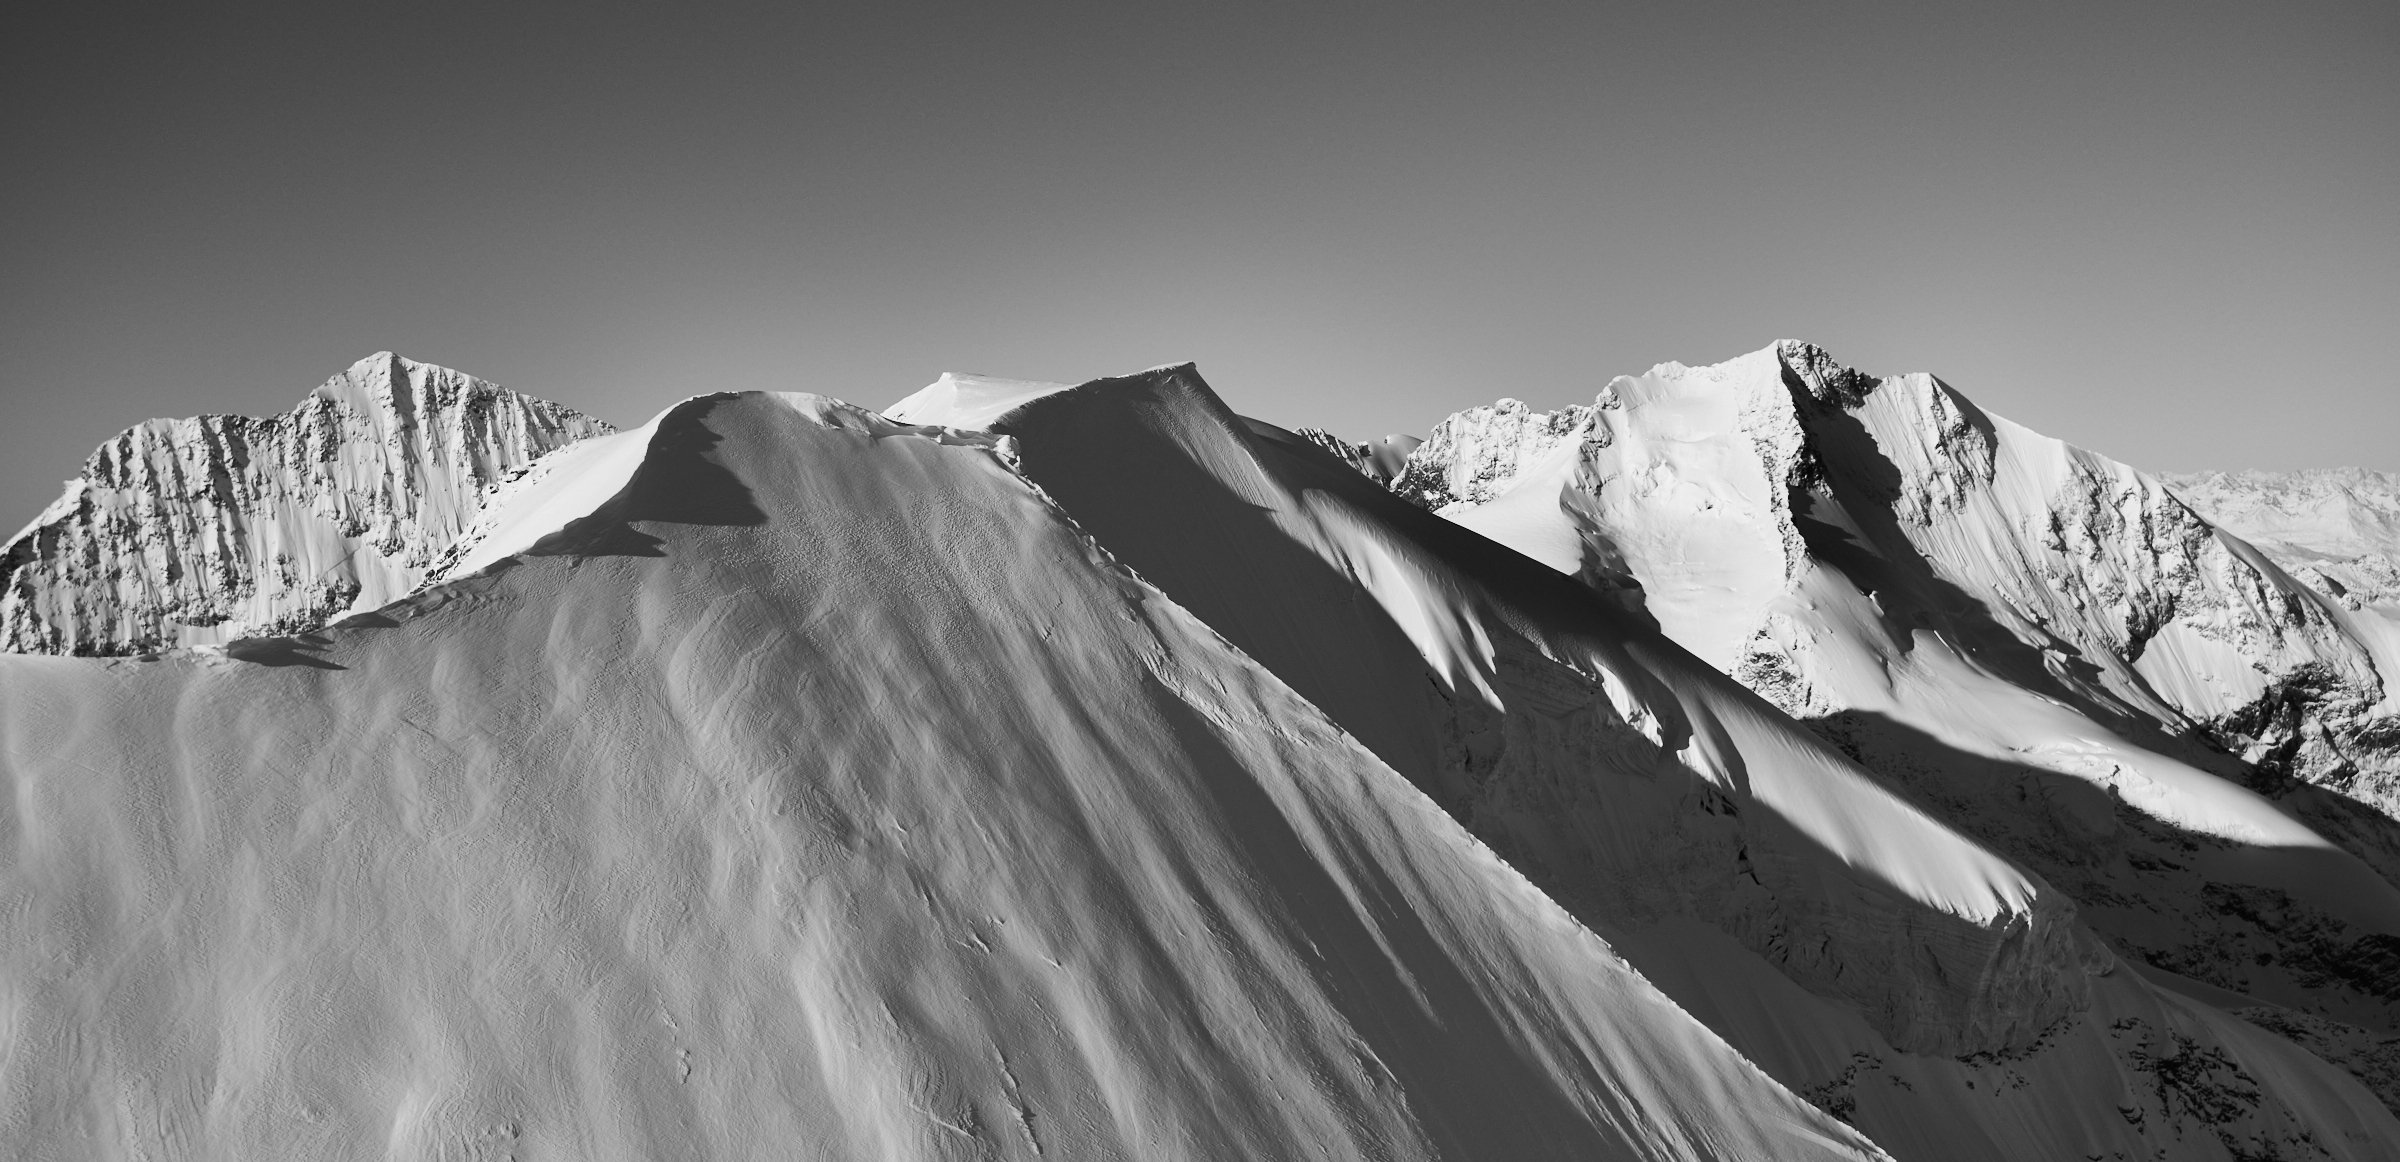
x=213 y=528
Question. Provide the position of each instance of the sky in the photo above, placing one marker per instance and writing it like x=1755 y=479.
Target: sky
x=2170 y=232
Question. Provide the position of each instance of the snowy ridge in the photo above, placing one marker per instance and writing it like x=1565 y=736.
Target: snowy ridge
x=1046 y=771
x=1730 y=855
x=822 y=792
x=213 y=528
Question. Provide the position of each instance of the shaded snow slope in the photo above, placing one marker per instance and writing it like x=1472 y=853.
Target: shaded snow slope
x=819 y=791
x=1899 y=974
x=218 y=527
x=2044 y=648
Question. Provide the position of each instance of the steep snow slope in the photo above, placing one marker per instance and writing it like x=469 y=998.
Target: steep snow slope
x=1899 y=974
x=2041 y=646
x=217 y=527
x=820 y=791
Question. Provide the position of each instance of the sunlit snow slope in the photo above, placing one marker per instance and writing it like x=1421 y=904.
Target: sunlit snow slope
x=217 y=527
x=821 y=792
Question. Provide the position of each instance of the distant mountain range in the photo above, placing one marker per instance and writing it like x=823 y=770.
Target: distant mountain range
x=1766 y=760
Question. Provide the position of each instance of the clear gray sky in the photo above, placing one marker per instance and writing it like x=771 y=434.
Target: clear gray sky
x=2168 y=231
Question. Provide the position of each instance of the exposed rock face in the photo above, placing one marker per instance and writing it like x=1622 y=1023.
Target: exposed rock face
x=214 y=528
x=1720 y=489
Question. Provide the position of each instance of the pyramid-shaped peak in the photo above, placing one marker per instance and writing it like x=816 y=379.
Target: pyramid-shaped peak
x=386 y=380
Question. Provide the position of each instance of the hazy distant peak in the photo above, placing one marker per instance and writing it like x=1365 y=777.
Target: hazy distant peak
x=2336 y=529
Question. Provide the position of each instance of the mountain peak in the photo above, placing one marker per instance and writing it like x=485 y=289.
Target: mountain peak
x=206 y=528
x=393 y=384
x=1827 y=379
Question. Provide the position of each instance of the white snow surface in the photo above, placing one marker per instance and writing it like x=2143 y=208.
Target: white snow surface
x=209 y=529
x=1077 y=772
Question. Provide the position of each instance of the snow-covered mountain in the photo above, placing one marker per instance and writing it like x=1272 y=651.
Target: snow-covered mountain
x=2046 y=647
x=1089 y=772
x=1729 y=493
x=214 y=528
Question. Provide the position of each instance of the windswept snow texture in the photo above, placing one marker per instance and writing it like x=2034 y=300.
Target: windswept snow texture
x=822 y=792
x=204 y=530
